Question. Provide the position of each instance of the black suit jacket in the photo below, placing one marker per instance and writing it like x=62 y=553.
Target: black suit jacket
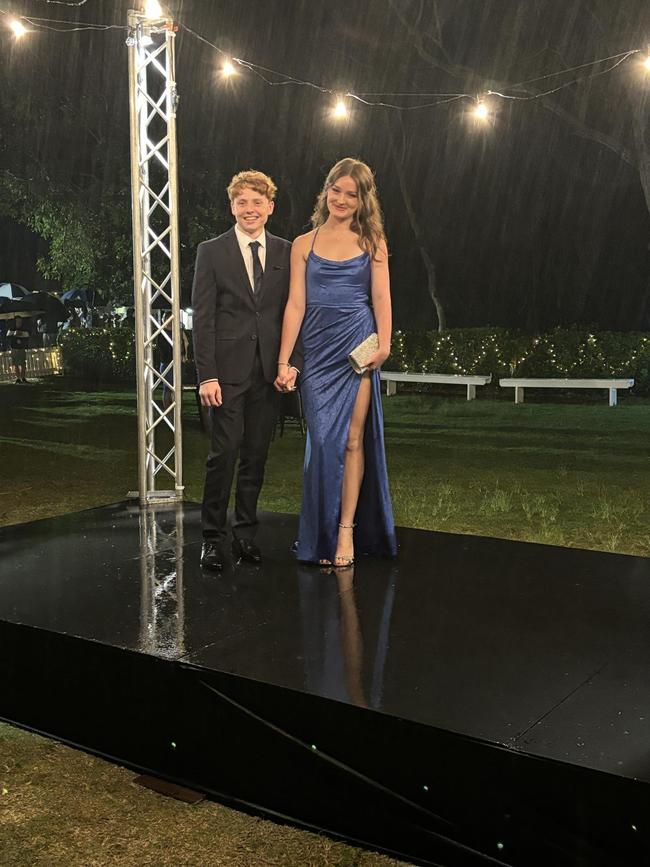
x=230 y=321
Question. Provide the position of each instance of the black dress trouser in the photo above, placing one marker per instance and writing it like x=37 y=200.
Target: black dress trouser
x=241 y=427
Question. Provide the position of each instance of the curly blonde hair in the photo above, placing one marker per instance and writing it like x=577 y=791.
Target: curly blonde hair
x=257 y=181
x=367 y=221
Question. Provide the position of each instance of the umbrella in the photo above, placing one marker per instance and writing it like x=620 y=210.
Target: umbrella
x=49 y=305
x=12 y=290
x=33 y=304
x=89 y=297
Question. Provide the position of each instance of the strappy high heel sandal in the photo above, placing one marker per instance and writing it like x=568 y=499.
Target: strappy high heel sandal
x=341 y=561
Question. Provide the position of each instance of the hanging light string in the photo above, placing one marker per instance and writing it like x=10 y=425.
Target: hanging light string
x=65 y=2
x=69 y=26
x=619 y=58
x=440 y=98
x=275 y=78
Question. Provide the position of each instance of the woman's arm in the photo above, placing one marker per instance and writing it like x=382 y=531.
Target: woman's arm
x=294 y=312
x=381 y=304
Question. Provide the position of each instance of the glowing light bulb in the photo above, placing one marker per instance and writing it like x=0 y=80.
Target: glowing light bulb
x=481 y=112
x=18 y=28
x=152 y=9
x=646 y=63
x=228 y=69
x=340 y=110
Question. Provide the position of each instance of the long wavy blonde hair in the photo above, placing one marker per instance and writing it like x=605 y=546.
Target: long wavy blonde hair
x=367 y=221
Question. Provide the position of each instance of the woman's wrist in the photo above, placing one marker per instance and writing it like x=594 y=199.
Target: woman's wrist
x=283 y=364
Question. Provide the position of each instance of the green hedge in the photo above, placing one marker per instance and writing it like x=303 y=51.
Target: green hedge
x=99 y=353
x=109 y=353
x=567 y=352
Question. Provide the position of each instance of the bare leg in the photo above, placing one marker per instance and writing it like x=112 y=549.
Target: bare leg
x=353 y=473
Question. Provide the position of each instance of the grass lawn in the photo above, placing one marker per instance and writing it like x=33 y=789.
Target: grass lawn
x=63 y=807
x=562 y=472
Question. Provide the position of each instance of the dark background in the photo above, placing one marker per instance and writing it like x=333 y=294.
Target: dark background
x=536 y=219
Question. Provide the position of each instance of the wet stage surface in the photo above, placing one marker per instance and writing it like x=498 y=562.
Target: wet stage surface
x=545 y=650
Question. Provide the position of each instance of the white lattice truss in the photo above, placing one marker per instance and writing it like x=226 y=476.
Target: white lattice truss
x=153 y=100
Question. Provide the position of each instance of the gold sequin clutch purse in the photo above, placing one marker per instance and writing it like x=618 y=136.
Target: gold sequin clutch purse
x=361 y=354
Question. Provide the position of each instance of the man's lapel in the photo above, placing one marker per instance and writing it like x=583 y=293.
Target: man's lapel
x=237 y=264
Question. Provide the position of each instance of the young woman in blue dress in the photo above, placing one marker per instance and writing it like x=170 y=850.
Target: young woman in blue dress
x=339 y=295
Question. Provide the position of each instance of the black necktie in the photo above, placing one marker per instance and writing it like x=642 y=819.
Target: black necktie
x=257 y=266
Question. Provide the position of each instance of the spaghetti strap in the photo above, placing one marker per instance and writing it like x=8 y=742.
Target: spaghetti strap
x=313 y=240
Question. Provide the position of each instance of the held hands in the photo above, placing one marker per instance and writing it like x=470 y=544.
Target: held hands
x=286 y=378
x=210 y=393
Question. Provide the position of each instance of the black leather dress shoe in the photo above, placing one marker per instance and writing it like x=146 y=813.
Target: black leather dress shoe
x=246 y=549
x=213 y=556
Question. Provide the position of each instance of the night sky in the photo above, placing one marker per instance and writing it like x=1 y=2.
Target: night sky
x=534 y=220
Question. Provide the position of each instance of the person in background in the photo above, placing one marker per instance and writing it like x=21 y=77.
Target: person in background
x=19 y=341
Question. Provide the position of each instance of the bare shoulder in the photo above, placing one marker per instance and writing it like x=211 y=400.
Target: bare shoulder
x=381 y=256
x=302 y=244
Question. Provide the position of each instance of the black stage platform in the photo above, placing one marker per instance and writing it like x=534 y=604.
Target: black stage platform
x=476 y=701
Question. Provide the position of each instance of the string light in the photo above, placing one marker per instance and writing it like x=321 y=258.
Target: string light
x=481 y=111
x=340 y=110
x=18 y=28
x=152 y=9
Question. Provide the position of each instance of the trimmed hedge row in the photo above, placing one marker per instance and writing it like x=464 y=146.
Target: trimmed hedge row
x=109 y=353
x=567 y=352
x=98 y=353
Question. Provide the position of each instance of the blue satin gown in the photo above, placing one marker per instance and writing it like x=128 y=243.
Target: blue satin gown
x=338 y=317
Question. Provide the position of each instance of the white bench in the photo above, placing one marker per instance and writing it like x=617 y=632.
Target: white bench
x=611 y=385
x=391 y=378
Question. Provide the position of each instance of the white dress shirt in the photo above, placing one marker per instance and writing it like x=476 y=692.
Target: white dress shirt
x=244 y=241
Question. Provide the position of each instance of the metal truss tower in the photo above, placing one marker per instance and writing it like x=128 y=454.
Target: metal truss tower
x=153 y=100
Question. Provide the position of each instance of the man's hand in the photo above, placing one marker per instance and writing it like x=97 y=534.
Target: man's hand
x=210 y=393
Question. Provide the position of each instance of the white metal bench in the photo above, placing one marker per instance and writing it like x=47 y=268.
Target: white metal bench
x=391 y=378
x=610 y=385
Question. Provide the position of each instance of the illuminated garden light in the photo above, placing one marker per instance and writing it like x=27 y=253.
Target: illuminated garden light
x=18 y=28
x=340 y=110
x=153 y=9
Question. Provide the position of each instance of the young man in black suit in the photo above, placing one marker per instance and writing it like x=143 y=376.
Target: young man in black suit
x=240 y=290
